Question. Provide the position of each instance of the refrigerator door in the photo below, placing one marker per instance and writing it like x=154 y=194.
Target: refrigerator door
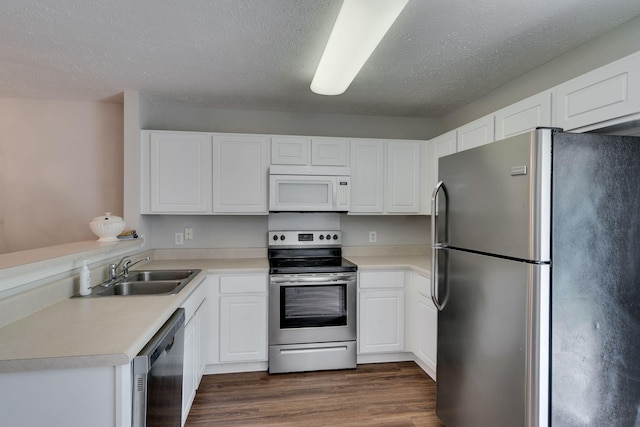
x=491 y=335
x=596 y=281
x=498 y=197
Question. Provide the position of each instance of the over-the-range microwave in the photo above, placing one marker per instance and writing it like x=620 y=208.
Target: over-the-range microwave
x=309 y=188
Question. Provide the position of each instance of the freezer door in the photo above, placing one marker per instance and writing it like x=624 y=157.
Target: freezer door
x=492 y=342
x=596 y=281
x=498 y=197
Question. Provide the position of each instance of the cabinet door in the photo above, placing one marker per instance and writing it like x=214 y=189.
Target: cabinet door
x=606 y=93
x=329 y=152
x=243 y=328
x=240 y=173
x=477 y=133
x=203 y=337
x=290 y=150
x=524 y=116
x=381 y=321
x=424 y=324
x=438 y=147
x=403 y=177
x=426 y=333
x=179 y=172
x=189 y=375
x=367 y=176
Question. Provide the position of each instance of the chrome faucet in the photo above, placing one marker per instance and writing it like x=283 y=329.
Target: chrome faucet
x=126 y=265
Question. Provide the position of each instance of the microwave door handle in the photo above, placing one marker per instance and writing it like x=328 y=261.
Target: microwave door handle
x=436 y=246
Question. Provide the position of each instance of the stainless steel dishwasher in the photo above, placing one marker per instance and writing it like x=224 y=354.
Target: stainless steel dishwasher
x=157 y=377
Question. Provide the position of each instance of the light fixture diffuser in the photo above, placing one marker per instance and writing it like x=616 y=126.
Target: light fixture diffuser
x=359 y=28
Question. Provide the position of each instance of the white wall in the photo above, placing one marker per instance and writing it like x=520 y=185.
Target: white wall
x=189 y=118
x=60 y=166
x=251 y=231
x=615 y=44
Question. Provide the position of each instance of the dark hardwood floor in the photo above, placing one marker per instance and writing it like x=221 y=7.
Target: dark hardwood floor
x=386 y=394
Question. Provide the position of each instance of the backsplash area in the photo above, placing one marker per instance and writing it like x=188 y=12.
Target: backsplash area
x=219 y=232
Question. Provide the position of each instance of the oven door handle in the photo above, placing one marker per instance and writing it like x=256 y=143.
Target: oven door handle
x=310 y=281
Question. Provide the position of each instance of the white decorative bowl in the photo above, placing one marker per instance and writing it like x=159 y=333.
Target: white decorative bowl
x=107 y=227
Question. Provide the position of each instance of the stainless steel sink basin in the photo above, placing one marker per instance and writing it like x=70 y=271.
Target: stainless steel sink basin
x=149 y=282
x=159 y=275
x=156 y=287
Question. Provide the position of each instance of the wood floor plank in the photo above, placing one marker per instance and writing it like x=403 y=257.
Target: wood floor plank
x=385 y=394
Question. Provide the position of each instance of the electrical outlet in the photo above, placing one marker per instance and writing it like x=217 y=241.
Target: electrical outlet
x=188 y=233
x=373 y=237
x=179 y=238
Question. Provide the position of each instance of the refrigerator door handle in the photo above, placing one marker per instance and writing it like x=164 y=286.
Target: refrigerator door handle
x=436 y=246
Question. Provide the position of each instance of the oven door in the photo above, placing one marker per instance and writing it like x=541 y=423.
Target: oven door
x=312 y=308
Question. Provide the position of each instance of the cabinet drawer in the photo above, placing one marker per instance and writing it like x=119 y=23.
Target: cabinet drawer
x=381 y=279
x=243 y=284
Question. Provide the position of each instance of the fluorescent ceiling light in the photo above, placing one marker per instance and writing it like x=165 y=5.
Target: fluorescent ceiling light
x=360 y=26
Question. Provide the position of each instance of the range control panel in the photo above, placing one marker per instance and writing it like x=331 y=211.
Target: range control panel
x=305 y=238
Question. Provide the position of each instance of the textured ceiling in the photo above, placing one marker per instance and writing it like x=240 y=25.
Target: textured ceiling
x=261 y=54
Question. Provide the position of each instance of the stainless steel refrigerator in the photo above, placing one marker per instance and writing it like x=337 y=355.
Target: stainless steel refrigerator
x=536 y=275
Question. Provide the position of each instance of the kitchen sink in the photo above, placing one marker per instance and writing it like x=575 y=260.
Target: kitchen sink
x=149 y=282
x=155 y=287
x=160 y=275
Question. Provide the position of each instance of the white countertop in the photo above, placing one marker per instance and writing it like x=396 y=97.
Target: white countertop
x=110 y=331
x=414 y=262
x=104 y=331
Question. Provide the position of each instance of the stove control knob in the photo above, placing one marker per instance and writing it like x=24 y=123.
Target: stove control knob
x=335 y=237
x=282 y=237
x=321 y=237
x=328 y=236
x=275 y=238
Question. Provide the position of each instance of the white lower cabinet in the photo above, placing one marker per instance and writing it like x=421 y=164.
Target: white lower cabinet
x=425 y=324
x=381 y=311
x=239 y=330
x=242 y=324
x=75 y=397
x=195 y=334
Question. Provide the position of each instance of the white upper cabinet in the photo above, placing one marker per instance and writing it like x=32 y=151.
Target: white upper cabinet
x=329 y=152
x=524 y=116
x=309 y=151
x=607 y=93
x=478 y=132
x=387 y=176
x=367 y=179
x=403 y=177
x=177 y=168
x=204 y=173
x=438 y=147
x=240 y=173
x=290 y=150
